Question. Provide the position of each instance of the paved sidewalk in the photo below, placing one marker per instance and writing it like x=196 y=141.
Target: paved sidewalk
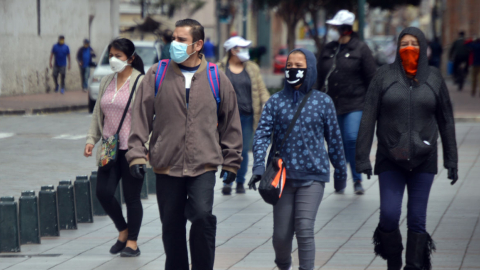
x=44 y=103
x=343 y=230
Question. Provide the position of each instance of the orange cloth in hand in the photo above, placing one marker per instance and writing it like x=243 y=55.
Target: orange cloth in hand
x=409 y=56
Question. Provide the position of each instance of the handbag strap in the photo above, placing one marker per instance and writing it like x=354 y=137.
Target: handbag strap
x=128 y=104
x=292 y=123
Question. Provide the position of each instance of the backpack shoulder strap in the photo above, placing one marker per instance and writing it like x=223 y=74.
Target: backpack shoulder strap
x=214 y=81
x=160 y=75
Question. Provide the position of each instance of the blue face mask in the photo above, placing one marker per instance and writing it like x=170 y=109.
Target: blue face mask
x=178 y=52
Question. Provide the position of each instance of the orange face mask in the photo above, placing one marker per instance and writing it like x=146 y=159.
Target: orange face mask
x=409 y=56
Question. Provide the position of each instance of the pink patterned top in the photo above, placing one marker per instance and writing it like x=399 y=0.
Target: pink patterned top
x=112 y=105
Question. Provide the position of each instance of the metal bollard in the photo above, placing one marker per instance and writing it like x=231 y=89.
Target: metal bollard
x=29 y=219
x=97 y=207
x=66 y=206
x=144 y=192
x=152 y=181
x=83 y=197
x=9 y=232
x=47 y=202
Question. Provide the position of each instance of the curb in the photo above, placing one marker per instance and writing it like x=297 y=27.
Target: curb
x=467 y=120
x=9 y=112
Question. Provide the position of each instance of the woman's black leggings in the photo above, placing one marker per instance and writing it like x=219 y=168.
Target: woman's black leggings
x=107 y=182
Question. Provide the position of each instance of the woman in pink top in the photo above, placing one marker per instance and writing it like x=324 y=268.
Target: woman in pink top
x=113 y=96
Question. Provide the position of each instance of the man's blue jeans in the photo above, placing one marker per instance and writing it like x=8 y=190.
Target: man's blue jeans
x=247 y=134
x=349 y=124
x=85 y=72
x=392 y=187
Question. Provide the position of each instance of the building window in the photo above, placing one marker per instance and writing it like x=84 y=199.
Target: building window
x=38 y=17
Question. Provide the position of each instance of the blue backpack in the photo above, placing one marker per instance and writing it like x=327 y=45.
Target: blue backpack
x=212 y=73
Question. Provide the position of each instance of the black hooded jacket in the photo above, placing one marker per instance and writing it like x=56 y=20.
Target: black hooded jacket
x=409 y=115
x=348 y=81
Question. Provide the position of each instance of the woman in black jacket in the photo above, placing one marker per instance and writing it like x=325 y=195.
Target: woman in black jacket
x=345 y=69
x=409 y=101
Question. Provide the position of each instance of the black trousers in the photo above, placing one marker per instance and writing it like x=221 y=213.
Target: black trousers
x=458 y=72
x=179 y=199
x=107 y=182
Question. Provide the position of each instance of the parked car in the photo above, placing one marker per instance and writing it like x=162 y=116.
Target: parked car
x=149 y=51
x=280 y=58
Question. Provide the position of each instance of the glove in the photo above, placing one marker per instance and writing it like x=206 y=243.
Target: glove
x=368 y=172
x=230 y=177
x=453 y=175
x=138 y=171
x=255 y=178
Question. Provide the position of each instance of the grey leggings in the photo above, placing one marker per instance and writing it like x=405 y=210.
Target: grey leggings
x=295 y=212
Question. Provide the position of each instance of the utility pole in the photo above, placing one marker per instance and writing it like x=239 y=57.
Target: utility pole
x=361 y=18
x=219 y=34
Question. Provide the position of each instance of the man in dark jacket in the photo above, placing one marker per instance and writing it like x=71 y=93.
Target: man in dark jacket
x=459 y=55
x=345 y=69
x=84 y=59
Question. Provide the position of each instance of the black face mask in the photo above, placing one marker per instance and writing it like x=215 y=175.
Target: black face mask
x=295 y=76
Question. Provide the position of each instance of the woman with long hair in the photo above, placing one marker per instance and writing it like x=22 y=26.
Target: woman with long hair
x=409 y=102
x=113 y=97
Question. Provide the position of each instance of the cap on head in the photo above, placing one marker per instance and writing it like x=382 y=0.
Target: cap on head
x=236 y=42
x=86 y=41
x=61 y=37
x=343 y=17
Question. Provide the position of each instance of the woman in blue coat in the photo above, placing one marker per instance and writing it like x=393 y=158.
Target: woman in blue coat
x=305 y=156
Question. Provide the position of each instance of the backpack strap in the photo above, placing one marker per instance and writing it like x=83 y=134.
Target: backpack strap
x=214 y=81
x=161 y=71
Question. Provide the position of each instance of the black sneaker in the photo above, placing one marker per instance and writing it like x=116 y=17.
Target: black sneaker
x=119 y=246
x=358 y=188
x=240 y=189
x=227 y=190
x=128 y=252
x=341 y=191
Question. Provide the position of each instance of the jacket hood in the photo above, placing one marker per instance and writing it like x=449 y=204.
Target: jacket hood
x=423 y=69
x=310 y=78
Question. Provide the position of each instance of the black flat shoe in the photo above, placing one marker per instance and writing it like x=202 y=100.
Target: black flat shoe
x=119 y=246
x=128 y=252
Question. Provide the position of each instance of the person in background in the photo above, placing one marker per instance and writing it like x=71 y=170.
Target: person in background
x=251 y=96
x=475 y=48
x=113 y=96
x=61 y=53
x=209 y=51
x=305 y=155
x=345 y=70
x=408 y=102
x=167 y=40
x=84 y=58
x=191 y=136
x=459 y=54
x=436 y=49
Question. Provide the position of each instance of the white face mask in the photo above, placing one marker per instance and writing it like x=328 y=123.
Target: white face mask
x=118 y=65
x=333 y=35
x=243 y=55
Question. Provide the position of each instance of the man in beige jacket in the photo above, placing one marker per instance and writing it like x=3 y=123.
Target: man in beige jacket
x=190 y=138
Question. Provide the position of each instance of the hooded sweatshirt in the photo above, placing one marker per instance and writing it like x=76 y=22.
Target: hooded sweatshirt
x=409 y=114
x=304 y=152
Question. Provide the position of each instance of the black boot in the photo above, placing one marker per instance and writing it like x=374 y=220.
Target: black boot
x=419 y=248
x=389 y=246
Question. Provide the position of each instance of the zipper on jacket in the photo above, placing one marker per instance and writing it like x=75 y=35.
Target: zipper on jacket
x=185 y=170
x=334 y=66
x=410 y=123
